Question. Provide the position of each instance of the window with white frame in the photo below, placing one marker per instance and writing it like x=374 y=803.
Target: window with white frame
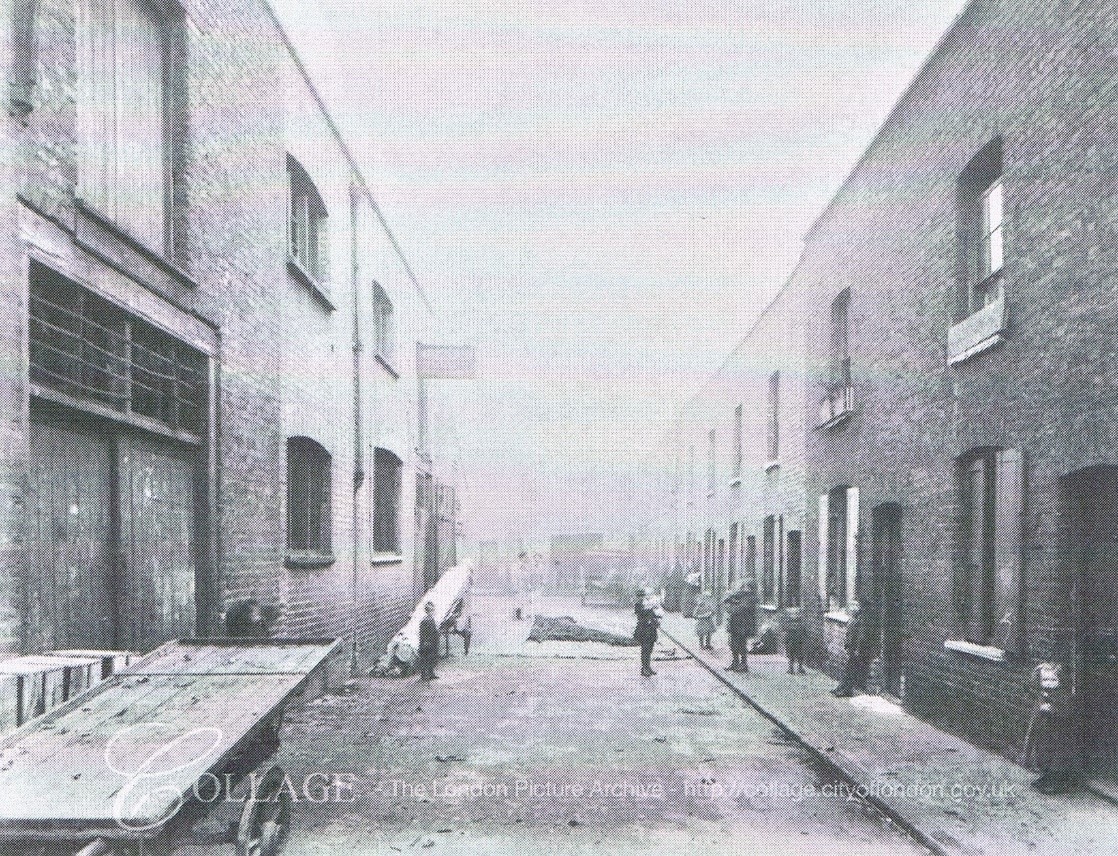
x=981 y=196
x=738 y=451
x=712 y=464
x=840 y=340
x=838 y=548
x=306 y=224
x=772 y=407
x=127 y=80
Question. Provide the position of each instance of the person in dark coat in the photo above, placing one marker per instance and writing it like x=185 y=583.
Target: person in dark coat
x=741 y=623
x=646 y=630
x=1051 y=744
x=795 y=636
x=428 y=650
x=857 y=645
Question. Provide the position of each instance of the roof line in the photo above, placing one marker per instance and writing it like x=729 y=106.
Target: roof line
x=350 y=159
x=702 y=390
x=940 y=46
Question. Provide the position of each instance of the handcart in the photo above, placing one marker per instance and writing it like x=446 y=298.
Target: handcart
x=126 y=767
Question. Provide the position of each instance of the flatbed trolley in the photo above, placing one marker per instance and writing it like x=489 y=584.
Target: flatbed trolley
x=122 y=769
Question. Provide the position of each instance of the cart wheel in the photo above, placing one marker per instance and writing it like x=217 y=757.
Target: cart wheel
x=266 y=817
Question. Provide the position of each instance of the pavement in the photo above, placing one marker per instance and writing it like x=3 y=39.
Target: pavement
x=948 y=794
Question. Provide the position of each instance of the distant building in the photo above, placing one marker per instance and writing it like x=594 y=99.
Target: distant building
x=209 y=383
x=739 y=488
x=568 y=566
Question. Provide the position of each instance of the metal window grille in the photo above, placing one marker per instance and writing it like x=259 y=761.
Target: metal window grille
x=91 y=350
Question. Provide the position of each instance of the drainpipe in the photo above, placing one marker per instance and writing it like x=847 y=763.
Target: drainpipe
x=355 y=196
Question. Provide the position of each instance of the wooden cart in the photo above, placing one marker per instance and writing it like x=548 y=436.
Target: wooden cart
x=127 y=766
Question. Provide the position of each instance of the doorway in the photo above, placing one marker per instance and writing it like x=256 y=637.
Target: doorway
x=885 y=595
x=1091 y=505
x=113 y=553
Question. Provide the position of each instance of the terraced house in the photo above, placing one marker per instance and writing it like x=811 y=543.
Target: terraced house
x=959 y=405
x=210 y=342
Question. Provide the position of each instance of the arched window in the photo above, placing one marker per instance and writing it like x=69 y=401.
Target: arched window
x=309 y=518
x=306 y=225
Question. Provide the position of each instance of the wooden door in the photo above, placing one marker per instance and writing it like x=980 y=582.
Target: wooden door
x=886 y=561
x=1095 y=530
x=68 y=590
x=156 y=594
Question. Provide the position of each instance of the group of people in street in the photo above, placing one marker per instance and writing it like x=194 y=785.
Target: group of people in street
x=741 y=625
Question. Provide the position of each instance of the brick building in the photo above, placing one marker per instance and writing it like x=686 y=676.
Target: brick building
x=738 y=492
x=959 y=413
x=209 y=392
x=962 y=299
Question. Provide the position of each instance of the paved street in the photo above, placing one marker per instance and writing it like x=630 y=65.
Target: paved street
x=559 y=747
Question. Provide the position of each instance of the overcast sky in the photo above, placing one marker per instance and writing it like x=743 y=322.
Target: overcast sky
x=625 y=184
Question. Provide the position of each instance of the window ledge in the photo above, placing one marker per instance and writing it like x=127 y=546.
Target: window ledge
x=839 y=615
x=387 y=366
x=980 y=331
x=386 y=559
x=769 y=607
x=836 y=408
x=308 y=560
x=772 y=465
x=295 y=267
x=985 y=652
x=98 y=233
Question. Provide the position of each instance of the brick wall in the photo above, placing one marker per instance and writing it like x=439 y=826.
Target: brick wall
x=245 y=106
x=1039 y=76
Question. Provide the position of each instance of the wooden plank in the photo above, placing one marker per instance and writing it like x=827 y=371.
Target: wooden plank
x=111 y=662
x=270 y=657
x=74 y=781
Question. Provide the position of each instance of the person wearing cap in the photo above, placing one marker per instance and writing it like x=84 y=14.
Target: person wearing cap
x=428 y=650
x=741 y=624
x=648 y=622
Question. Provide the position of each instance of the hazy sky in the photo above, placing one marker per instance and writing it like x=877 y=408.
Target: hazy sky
x=605 y=193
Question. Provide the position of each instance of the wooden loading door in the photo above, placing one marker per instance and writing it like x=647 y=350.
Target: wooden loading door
x=155 y=565
x=113 y=542
x=67 y=596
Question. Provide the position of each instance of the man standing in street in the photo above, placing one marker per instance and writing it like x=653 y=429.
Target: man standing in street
x=646 y=632
x=428 y=650
x=741 y=624
x=857 y=655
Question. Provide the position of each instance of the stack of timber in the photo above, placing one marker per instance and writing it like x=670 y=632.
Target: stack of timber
x=32 y=685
